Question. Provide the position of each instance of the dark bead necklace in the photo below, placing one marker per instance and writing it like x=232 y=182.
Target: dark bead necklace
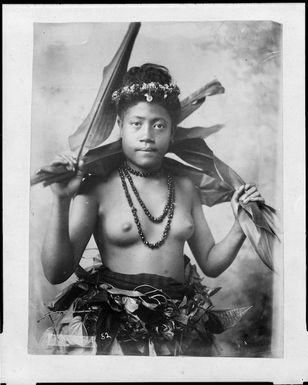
x=166 y=231
x=160 y=218
x=143 y=174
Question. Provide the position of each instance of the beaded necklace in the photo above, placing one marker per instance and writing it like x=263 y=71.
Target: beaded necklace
x=160 y=218
x=143 y=174
x=168 y=210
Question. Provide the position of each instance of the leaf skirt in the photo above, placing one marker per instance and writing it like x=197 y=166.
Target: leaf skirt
x=106 y=312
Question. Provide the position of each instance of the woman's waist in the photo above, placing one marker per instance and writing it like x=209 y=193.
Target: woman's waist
x=144 y=282
x=161 y=264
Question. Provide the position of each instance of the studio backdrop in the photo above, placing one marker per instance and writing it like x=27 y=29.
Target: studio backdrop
x=245 y=57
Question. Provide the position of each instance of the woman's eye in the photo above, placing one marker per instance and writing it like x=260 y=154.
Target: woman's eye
x=135 y=124
x=159 y=126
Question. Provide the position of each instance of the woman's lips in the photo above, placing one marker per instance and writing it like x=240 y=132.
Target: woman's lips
x=147 y=149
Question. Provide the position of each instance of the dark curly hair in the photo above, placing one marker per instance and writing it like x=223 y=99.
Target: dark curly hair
x=148 y=73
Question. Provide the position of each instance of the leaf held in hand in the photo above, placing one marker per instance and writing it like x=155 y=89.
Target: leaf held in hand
x=99 y=123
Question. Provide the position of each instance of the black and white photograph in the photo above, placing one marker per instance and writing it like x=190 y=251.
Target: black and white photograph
x=156 y=190
x=149 y=283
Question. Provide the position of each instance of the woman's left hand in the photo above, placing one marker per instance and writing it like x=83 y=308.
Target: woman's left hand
x=244 y=194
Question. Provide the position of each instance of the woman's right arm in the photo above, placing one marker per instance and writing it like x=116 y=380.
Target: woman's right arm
x=70 y=227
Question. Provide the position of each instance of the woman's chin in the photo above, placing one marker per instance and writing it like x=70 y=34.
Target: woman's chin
x=147 y=162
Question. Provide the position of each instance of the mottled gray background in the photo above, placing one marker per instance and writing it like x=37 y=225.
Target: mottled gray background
x=245 y=57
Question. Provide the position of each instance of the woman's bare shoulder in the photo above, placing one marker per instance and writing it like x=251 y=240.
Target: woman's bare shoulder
x=184 y=182
x=185 y=185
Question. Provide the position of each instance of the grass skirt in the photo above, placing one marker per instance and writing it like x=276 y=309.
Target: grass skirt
x=105 y=312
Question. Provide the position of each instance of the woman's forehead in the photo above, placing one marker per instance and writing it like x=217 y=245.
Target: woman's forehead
x=147 y=110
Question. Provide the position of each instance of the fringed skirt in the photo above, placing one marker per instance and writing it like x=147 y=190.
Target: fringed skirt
x=105 y=312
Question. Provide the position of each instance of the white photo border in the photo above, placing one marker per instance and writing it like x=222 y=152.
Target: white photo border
x=20 y=367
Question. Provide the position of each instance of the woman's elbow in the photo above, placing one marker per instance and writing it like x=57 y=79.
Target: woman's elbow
x=211 y=272
x=56 y=272
x=53 y=277
x=56 y=279
x=56 y=276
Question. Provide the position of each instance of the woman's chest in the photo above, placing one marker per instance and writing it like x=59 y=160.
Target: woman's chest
x=118 y=226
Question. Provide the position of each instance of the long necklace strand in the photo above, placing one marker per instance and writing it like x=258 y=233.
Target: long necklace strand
x=166 y=231
x=160 y=218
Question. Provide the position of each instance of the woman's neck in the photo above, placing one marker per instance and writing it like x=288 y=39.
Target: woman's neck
x=155 y=170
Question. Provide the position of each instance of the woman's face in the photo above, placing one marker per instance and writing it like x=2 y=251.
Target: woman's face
x=146 y=131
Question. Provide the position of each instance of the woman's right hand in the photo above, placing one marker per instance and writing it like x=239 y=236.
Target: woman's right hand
x=69 y=187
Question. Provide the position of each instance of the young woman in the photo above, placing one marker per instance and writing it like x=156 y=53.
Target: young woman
x=146 y=298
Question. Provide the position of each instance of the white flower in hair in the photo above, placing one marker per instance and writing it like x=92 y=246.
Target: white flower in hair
x=148 y=97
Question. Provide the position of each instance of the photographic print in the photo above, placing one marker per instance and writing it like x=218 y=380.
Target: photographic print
x=156 y=189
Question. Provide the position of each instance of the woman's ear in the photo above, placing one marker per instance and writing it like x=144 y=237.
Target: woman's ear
x=120 y=124
x=172 y=135
x=171 y=140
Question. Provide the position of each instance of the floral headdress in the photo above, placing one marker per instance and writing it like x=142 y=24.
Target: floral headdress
x=148 y=90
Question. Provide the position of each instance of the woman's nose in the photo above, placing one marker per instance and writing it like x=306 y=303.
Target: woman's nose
x=147 y=133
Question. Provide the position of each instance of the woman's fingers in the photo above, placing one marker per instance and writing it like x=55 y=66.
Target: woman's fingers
x=254 y=194
x=256 y=199
x=238 y=193
x=248 y=193
x=249 y=185
x=244 y=194
x=69 y=161
x=81 y=164
x=251 y=196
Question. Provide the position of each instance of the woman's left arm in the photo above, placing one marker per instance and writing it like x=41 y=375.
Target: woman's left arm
x=212 y=258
